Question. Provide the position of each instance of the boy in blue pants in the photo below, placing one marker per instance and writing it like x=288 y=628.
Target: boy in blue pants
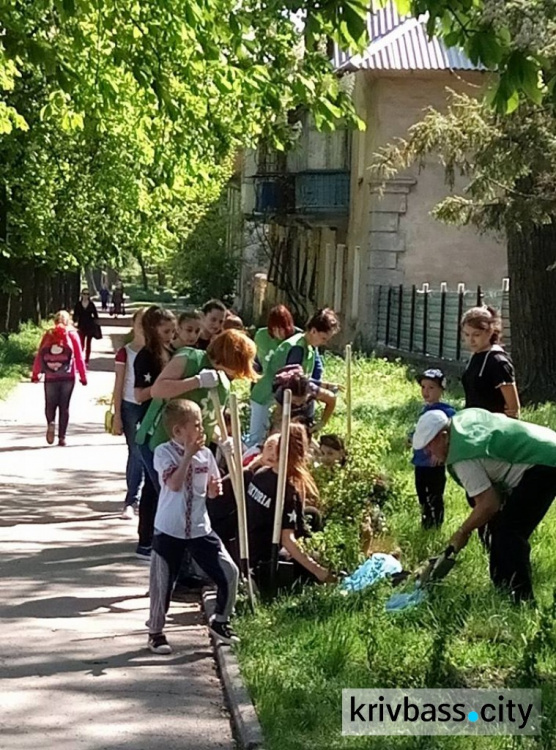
x=430 y=477
x=188 y=475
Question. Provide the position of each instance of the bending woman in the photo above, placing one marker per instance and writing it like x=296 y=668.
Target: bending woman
x=59 y=358
x=299 y=349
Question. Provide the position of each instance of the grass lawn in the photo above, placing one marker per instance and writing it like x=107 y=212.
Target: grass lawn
x=16 y=356
x=298 y=653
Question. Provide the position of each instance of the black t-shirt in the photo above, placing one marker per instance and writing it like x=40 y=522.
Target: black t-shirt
x=146 y=368
x=482 y=379
x=260 y=498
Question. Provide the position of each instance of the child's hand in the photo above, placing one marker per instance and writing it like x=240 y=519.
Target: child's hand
x=197 y=446
x=214 y=488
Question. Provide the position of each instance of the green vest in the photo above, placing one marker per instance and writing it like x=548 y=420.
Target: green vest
x=262 y=390
x=152 y=429
x=266 y=346
x=477 y=433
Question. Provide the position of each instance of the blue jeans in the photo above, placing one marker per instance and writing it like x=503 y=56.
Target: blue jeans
x=131 y=414
x=259 y=423
x=149 y=497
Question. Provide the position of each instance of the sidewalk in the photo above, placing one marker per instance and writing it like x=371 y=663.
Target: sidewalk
x=74 y=670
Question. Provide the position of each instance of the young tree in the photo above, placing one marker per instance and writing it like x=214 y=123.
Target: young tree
x=509 y=162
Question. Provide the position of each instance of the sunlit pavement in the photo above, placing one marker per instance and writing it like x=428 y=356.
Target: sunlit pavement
x=74 y=669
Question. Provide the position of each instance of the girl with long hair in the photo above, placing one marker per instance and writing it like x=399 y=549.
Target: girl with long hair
x=158 y=330
x=59 y=359
x=489 y=378
x=261 y=490
x=127 y=413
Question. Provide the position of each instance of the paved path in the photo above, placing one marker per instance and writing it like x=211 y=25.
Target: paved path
x=74 y=671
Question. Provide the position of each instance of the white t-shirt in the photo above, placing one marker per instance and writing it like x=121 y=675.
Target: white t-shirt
x=183 y=514
x=479 y=474
x=126 y=357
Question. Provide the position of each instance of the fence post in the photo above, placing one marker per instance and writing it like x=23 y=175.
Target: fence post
x=355 y=289
x=378 y=309
x=400 y=311
x=425 y=316
x=443 y=289
x=480 y=296
x=461 y=294
x=412 y=317
x=339 y=280
x=388 y=310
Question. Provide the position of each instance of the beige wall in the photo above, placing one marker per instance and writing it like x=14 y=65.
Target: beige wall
x=399 y=239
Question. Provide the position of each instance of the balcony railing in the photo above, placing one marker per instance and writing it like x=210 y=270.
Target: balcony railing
x=324 y=192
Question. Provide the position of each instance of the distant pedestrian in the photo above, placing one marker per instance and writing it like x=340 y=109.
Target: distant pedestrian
x=118 y=300
x=85 y=318
x=59 y=358
x=104 y=297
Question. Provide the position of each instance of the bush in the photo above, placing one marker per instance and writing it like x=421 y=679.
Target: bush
x=16 y=356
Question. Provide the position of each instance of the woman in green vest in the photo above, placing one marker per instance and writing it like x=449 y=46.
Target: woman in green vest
x=299 y=349
x=508 y=468
x=190 y=374
x=280 y=326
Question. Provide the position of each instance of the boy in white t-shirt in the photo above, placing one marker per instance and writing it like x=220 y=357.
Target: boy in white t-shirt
x=188 y=475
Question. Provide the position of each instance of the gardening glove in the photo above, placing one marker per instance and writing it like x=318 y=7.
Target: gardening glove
x=227 y=448
x=208 y=379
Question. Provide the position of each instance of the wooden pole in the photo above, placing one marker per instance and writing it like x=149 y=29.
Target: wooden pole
x=348 y=391
x=281 y=489
x=240 y=499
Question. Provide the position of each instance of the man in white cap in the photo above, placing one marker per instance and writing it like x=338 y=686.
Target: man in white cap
x=508 y=469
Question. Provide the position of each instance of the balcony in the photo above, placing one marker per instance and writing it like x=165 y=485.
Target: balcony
x=274 y=194
x=322 y=193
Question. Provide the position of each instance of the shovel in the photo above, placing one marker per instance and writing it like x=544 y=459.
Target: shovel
x=437 y=568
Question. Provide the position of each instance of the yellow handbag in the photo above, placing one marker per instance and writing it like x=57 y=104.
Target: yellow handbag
x=109 y=418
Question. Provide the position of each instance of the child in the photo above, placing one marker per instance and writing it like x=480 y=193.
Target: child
x=430 y=478
x=213 y=314
x=305 y=392
x=188 y=475
x=189 y=329
x=332 y=451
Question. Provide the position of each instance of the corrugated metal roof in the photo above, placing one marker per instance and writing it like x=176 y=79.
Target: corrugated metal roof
x=401 y=43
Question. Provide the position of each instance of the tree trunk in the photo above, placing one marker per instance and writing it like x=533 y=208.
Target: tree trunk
x=533 y=310
x=144 y=276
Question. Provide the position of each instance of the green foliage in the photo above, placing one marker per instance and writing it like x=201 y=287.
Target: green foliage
x=203 y=266
x=16 y=356
x=466 y=635
x=508 y=162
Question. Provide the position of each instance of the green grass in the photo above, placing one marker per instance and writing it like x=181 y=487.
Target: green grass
x=16 y=356
x=298 y=653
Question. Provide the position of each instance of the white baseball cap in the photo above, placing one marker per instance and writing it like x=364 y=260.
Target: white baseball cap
x=429 y=425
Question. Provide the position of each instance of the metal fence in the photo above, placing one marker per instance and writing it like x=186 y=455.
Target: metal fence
x=427 y=321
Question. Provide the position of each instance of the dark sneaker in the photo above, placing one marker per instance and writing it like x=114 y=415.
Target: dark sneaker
x=158 y=644
x=223 y=632
x=62 y=442
x=50 y=430
x=143 y=553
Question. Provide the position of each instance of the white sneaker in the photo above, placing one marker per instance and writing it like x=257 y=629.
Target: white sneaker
x=127 y=513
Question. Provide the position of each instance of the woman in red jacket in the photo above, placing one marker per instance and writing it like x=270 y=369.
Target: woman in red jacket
x=59 y=358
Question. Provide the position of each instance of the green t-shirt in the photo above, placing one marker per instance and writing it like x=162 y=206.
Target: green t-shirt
x=152 y=428
x=262 y=390
x=477 y=433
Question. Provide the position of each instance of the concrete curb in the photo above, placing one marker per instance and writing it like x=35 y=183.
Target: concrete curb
x=245 y=721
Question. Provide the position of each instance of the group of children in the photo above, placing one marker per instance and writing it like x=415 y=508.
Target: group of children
x=187 y=511
x=164 y=378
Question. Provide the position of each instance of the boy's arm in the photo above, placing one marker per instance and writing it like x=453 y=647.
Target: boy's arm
x=174 y=476
x=214 y=486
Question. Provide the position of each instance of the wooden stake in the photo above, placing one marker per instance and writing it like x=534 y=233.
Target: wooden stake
x=281 y=488
x=348 y=391
x=240 y=499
